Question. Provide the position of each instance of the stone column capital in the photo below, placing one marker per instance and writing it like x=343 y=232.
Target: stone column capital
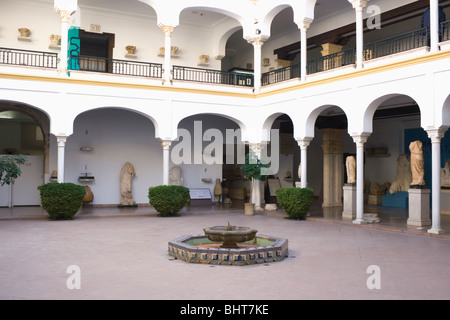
x=360 y=138
x=304 y=142
x=168 y=30
x=65 y=15
x=166 y=144
x=358 y=5
x=304 y=24
x=436 y=134
x=258 y=41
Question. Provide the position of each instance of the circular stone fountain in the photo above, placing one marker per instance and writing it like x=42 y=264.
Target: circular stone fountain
x=229 y=245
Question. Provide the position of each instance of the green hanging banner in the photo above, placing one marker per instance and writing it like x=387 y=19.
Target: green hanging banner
x=74 y=48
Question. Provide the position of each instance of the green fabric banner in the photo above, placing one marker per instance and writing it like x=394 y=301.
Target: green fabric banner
x=74 y=48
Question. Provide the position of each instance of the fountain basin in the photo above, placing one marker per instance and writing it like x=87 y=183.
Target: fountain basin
x=230 y=235
x=199 y=249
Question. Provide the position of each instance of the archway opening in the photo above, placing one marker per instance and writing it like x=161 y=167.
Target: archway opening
x=24 y=130
x=103 y=141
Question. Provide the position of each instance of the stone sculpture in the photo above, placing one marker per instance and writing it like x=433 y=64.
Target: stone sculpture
x=217 y=190
x=404 y=176
x=204 y=59
x=445 y=175
x=55 y=40
x=130 y=49
x=24 y=32
x=417 y=164
x=126 y=176
x=300 y=172
x=350 y=163
x=175 y=178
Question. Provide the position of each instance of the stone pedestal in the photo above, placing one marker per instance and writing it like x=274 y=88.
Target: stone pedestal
x=419 y=207
x=349 y=211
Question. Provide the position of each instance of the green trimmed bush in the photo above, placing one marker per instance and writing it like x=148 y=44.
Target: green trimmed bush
x=61 y=200
x=295 y=201
x=168 y=200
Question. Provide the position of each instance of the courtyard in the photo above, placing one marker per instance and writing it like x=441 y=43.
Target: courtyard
x=122 y=255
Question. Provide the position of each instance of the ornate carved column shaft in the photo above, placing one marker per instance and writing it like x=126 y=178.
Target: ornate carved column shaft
x=332 y=167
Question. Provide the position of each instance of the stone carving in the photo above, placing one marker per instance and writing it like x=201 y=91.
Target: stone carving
x=417 y=163
x=89 y=196
x=24 y=32
x=173 y=50
x=350 y=163
x=55 y=40
x=380 y=189
x=204 y=59
x=404 y=176
x=131 y=49
x=126 y=176
x=175 y=178
x=217 y=190
x=299 y=172
x=445 y=175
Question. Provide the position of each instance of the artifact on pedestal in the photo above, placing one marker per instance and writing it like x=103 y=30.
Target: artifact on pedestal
x=175 y=178
x=417 y=164
x=350 y=163
x=24 y=32
x=445 y=175
x=404 y=176
x=217 y=190
x=126 y=176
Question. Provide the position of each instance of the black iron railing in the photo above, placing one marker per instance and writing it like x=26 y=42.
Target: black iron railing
x=28 y=58
x=212 y=76
x=115 y=66
x=281 y=75
x=332 y=61
x=445 y=31
x=399 y=43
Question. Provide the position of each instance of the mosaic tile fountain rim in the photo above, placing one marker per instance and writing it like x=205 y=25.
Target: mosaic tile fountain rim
x=180 y=249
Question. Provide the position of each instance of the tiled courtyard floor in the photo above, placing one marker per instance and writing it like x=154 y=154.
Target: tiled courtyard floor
x=122 y=254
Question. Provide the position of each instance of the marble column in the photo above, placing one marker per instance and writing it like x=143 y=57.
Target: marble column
x=166 y=160
x=436 y=136
x=65 y=16
x=359 y=5
x=304 y=48
x=257 y=61
x=168 y=30
x=61 y=140
x=360 y=140
x=333 y=168
x=434 y=25
x=304 y=144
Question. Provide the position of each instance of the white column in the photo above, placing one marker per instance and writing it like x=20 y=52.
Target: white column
x=63 y=57
x=359 y=5
x=304 y=48
x=61 y=157
x=257 y=46
x=256 y=184
x=360 y=140
x=436 y=136
x=304 y=144
x=434 y=25
x=166 y=158
x=168 y=30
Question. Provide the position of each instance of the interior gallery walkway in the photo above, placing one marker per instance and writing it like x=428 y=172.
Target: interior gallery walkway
x=122 y=254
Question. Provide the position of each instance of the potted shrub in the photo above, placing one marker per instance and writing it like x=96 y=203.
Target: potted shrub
x=252 y=169
x=168 y=200
x=295 y=201
x=61 y=200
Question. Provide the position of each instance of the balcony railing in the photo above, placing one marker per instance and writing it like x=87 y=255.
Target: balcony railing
x=115 y=66
x=28 y=58
x=445 y=31
x=281 y=75
x=332 y=61
x=399 y=43
x=212 y=76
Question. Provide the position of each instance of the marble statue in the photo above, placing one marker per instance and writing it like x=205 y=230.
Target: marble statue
x=417 y=164
x=126 y=176
x=350 y=163
x=445 y=174
x=217 y=190
x=300 y=172
x=404 y=177
x=175 y=178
